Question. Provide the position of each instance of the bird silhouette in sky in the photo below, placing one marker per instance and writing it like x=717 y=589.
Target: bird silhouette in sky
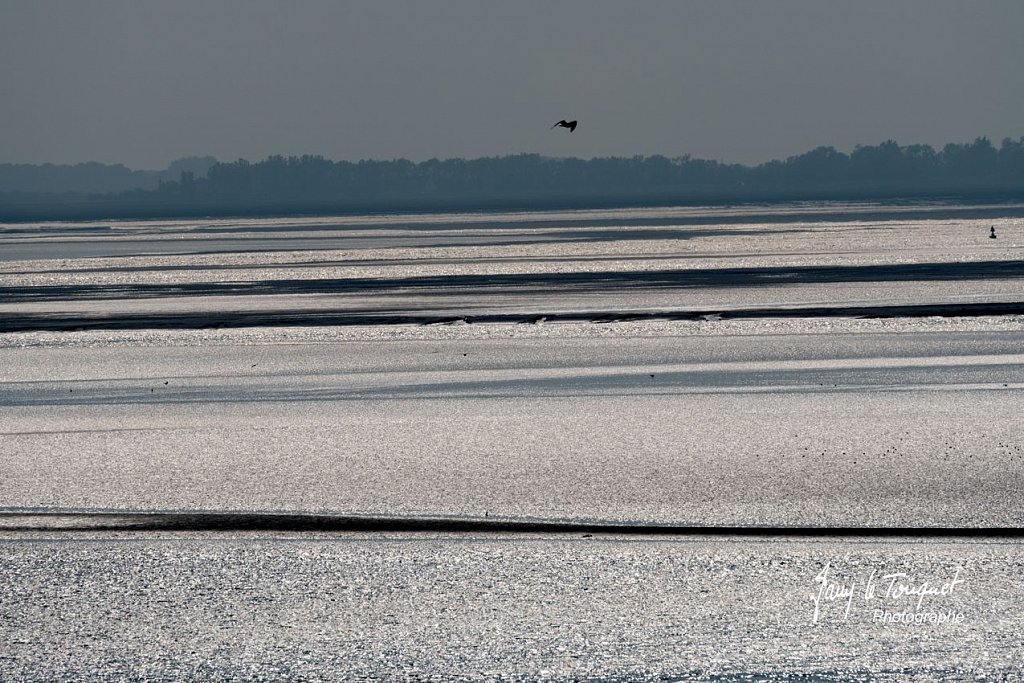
x=571 y=125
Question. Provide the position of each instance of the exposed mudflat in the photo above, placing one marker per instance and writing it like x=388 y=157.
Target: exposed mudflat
x=214 y=466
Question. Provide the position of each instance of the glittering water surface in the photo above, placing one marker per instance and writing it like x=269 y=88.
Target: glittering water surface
x=711 y=374
x=505 y=607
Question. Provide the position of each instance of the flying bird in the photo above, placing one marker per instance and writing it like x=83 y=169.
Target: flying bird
x=571 y=125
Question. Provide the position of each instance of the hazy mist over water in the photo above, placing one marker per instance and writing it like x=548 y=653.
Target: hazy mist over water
x=144 y=83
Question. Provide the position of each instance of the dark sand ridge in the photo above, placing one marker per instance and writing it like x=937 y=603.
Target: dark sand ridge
x=36 y=521
x=513 y=283
x=39 y=322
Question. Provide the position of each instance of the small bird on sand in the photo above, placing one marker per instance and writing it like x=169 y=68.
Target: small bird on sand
x=571 y=125
x=992 y=233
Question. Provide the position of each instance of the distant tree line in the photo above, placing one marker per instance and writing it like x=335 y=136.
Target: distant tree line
x=312 y=183
x=94 y=177
x=886 y=166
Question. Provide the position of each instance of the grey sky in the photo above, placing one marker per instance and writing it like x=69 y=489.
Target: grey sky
x=144 y=82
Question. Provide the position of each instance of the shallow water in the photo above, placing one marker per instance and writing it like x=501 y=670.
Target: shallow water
x=795 y=415
x=507 y=607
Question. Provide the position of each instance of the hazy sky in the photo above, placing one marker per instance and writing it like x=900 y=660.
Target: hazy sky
x=144 y=82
